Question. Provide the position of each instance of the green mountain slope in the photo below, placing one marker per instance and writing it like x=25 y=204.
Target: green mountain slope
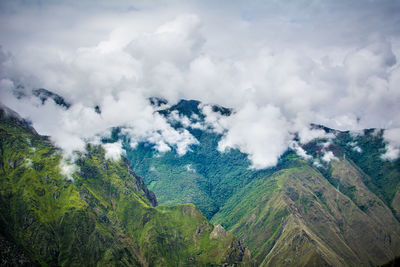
x=298 y=213
x=297 y=217
x=203 y=176
x=381 y=176
x=341 y=213
x=104 y=217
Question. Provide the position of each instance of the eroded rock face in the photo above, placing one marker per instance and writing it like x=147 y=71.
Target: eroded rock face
x=142 y=187
x=218 y=232
x=238 y=253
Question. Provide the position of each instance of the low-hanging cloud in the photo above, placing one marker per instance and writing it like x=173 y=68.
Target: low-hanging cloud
x=113 y=150
x=281 y=66
x=261 y=133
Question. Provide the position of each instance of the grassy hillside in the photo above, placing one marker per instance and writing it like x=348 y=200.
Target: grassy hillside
x=297 y=217
x=381 y=176
x=103 y=217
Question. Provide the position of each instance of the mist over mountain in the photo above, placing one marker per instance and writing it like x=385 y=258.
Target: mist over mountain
x=267 y=130
x=325 y=202
x=104 y=216
x=291 y=64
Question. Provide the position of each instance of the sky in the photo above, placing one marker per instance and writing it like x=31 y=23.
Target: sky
x=280 y=65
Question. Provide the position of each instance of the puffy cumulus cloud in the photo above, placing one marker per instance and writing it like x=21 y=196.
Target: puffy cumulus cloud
x=354 y=146
x=329 y=156
x=280 y=65
x=260 y=132
x=68 y=168
x=306 y=134
x=107 y=74
x=72 y=128
x=300 y=151
x=175 y=117
x=393 y=146
x=114 y=151
x=213 y=120
x=176 y=42
x=50 y=119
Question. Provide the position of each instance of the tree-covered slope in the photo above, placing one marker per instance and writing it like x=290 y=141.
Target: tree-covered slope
x=208 y=178
x=300 y=212
x=103 y=216
x=203 y=176
x=341 y=212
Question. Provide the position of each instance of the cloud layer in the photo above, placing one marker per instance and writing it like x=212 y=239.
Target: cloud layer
x=281 y=66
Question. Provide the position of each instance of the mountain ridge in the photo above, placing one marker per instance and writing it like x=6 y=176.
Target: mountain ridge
x=369 y=189
x=306 y=210
x=104 y=216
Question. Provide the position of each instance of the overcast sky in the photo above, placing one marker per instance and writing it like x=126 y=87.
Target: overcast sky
x=280 y=64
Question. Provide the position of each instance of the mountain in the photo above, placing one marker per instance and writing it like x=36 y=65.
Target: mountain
x=44 y=95
x=203 y=176
x=297 y=217
x=101 y=214
x=344 y=212
x=313 y=210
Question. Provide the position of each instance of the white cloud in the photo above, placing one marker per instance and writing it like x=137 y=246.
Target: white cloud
x=300 y=151
x=213 y=120
x=260 y=132
x=306 y=134
x=175 y=42
x=114 y=151
x=354 y=146
x=68 y=168
x=317 y=164
x=328 y=156
x=393 y=146
x=190 y=169
x=280 y=65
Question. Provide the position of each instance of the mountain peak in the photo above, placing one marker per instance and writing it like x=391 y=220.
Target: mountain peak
x=44 y=95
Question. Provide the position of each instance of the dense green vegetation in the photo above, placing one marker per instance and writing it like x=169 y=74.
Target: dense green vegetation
x=337 y=213
x=297 y=217
x=382 y=176
x=103 y=216
x=203 y=176
x=365 y=150
x=295 y=202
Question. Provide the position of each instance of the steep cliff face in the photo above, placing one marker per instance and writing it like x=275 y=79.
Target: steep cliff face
x=101 y=215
